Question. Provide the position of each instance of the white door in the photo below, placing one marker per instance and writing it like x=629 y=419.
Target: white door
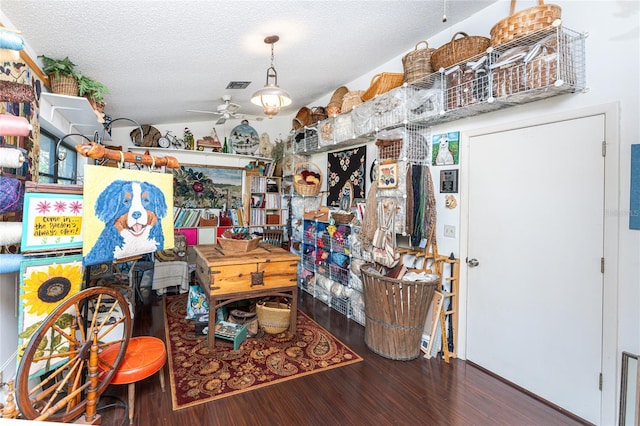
x=536 y=210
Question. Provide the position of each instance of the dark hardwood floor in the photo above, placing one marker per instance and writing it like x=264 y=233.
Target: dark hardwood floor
x=376 y=391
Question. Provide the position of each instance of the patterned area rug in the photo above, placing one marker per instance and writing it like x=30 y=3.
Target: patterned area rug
x=199 y=375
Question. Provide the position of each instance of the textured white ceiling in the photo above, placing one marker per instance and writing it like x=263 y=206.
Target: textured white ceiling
x=161 y=58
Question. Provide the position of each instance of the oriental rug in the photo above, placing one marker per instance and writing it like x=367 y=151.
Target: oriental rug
x=199 y=375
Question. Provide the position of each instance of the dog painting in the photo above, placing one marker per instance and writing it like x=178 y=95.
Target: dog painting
x=131 y=212
x=445 y=149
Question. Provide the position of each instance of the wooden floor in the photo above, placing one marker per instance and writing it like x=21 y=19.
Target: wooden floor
x=376 y=391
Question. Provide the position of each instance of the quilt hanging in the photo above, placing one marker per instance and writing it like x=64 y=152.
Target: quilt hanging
x=346 y=166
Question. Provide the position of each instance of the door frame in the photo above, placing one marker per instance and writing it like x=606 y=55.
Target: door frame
x=610 y=249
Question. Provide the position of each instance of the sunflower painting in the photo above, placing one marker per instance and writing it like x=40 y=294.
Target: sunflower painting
x=45 y=283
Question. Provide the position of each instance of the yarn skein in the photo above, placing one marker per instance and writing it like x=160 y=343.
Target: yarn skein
x=10 y=233
x=11 y=40
x=11 y=125
x=11 y=157
x=10 y=263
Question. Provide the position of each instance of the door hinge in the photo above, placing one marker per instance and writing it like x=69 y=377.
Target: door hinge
x=604 y=148
x=602 y=265
x=600 y=382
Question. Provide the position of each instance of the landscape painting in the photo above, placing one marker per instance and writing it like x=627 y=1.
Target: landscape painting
x=198 y=187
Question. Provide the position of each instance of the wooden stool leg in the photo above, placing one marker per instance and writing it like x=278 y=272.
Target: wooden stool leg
x=131 y=398
x=161 y=372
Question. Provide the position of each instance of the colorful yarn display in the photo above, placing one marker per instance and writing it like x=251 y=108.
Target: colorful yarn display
x=11 y=40
x=10 y=233
x=11 y=125
x=11 y=157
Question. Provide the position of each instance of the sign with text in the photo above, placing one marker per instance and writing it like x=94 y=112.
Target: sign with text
x=51 y=221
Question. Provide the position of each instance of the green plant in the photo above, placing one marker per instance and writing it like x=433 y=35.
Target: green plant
x=58 y=67
x=91 y=89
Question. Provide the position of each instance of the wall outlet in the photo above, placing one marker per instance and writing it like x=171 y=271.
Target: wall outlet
x=450 y=231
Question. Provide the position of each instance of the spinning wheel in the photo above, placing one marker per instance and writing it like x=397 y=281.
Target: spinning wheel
x=58 y=374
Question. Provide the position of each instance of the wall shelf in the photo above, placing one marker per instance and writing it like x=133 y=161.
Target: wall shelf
x=547 y=63
x=69 y=114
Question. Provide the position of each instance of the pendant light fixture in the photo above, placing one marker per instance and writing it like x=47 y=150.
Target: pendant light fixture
x=271 y=97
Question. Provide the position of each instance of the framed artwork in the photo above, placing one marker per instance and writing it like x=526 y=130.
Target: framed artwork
x=127 y=213
x=445 y=149
x=387 y=174
x=346 y=166
x=207 y=187
x=51 y=221
x=45 y=283
x=346 y=198
x=449 y=181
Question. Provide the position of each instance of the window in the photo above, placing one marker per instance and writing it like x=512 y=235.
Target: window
x=53 y=170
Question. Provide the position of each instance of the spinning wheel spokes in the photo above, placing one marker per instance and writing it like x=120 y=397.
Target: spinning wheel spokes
x=58 y=373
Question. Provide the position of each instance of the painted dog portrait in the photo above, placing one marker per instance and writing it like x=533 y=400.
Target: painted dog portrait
x=132 y=211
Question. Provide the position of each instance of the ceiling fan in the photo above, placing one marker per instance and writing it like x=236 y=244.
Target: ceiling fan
x=228 y=110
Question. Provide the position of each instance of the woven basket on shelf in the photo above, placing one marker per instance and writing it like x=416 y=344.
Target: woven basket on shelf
x=351 y=99
x=342 y=218
x=334 y=107
x=273 y=317
x=382 y=83
x=524 y=22
x=300 y=186
x=303 y=118
x=65 y=85
x=318 y=113
x=458 y=50
x=417 y=63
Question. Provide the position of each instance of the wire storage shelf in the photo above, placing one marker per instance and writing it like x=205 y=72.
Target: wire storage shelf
x=540 y=65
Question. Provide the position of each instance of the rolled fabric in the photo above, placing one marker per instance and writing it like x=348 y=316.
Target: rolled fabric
x=11 y=40
x=10 y=233
x=11 y=125
x=11 y=157
x=10 y=263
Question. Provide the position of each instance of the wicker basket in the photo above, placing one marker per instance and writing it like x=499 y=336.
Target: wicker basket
x=351 y=99
x=417 y=63
x=303 y=118
x=342 y=218
x=458 y=50
x=65 y=85
x=273 y=317
x=395 y=312
x=237 y=246
x=334 y=107
x=524 y=22
x=382 y=83
x=318 y=113
x=303 y=188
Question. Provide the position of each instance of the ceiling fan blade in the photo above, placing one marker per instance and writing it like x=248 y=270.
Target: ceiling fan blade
x=221 y=120
x=204 y=112
x=232 y=108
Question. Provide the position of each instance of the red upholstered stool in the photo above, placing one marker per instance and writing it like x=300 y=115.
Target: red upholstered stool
x=145 y=356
